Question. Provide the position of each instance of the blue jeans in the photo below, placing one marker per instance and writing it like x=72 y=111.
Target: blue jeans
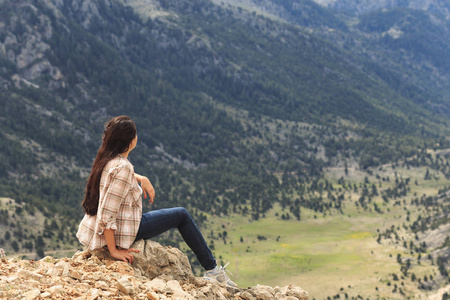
x=155 y=222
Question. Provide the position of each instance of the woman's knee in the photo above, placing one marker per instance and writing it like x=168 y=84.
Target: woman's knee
x=183 y=213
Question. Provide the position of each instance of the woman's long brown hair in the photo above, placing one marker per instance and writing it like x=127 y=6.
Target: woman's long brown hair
x=118 y=134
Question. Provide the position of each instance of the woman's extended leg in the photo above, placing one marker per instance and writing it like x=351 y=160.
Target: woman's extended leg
x=155 y=222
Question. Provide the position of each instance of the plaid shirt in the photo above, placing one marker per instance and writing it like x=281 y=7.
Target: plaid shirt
x=119 y=208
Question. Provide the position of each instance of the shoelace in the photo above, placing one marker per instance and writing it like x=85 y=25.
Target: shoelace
x=222 y=268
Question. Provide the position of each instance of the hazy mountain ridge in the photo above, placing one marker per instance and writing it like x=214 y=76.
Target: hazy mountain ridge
x=411 y=71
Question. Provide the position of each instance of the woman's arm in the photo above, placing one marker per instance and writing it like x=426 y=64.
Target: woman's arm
x=146 y=186
x=122 y=254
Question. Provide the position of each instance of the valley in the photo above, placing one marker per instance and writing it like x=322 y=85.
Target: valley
x=336 y=253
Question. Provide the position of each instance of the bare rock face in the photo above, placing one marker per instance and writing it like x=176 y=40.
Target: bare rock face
x=154 y=260
x=157 y=273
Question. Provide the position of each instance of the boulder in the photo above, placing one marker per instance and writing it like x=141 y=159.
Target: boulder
x=154 y=260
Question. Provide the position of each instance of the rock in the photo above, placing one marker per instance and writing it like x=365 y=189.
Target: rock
x=63 y=267
x=81 y=255
x=45 y=295
x=246 y=295
x=291 y=290
x=269 y=289
x=2 y=252
x=106 y=294
x=28 y=274
x=101 y=285
x=178 y=292
x=151 y=296
x=262 y=292
x=82 y=285
x=11 y=278
x=94 y=294
x=120 y=267
x=160 y=286
x=30 y=295
x=125 y=286
x=154 y=260
x=53 y=272
x=57 y=289
x=95 y=260
x=75 y=274
x=34 y=283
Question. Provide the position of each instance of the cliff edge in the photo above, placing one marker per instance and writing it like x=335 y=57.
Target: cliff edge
x=157 y=273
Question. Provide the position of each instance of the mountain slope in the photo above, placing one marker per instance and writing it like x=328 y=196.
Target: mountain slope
x=233 y=109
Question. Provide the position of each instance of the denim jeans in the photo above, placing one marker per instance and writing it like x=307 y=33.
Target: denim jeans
x=155 y=222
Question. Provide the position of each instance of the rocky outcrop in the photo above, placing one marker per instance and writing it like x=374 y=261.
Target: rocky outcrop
x=157 y=273
x=26 y=46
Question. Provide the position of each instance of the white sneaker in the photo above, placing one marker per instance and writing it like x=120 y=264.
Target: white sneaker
x=218 y=275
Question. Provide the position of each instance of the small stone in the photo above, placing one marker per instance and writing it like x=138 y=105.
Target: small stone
x=152 y=296
x=297 y=292
x=174 y=286
x=94 y=294
x=224 y=291
x=63 y=267
x=120 y=267
x=30 y=295
x=159 y=286
x=125 y=286
x=101 y=285
x=95 y=260
x=32 y=282
x=178 y=292
x=2 y=253
x=106 y=294
x=45 y=295
x=73 y=292
x=54 y=272
x=56 y=289
x=83 y=285
x=11 y=278
x=75 y=274
x=28 y=274
x=246 y=295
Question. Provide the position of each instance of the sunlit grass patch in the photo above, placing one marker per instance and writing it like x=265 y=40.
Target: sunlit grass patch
x=358 y=235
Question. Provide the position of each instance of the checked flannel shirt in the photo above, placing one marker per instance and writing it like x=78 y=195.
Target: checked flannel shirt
x=120 y=207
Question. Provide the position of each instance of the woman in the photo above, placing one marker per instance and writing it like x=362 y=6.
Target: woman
x=113 y=205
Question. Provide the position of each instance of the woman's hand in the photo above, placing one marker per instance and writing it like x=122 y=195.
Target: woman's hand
x=124 y=254
x=147 y=187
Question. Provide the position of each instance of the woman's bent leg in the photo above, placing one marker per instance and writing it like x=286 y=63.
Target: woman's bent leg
x=155 y=222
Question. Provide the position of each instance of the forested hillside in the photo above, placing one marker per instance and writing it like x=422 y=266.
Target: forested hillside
x=238 y=108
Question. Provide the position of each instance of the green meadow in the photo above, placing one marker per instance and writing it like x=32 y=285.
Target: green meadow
x=327 y=254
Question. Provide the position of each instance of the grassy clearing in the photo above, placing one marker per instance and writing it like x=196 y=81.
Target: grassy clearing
x=333 y=253
x=320 y=255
